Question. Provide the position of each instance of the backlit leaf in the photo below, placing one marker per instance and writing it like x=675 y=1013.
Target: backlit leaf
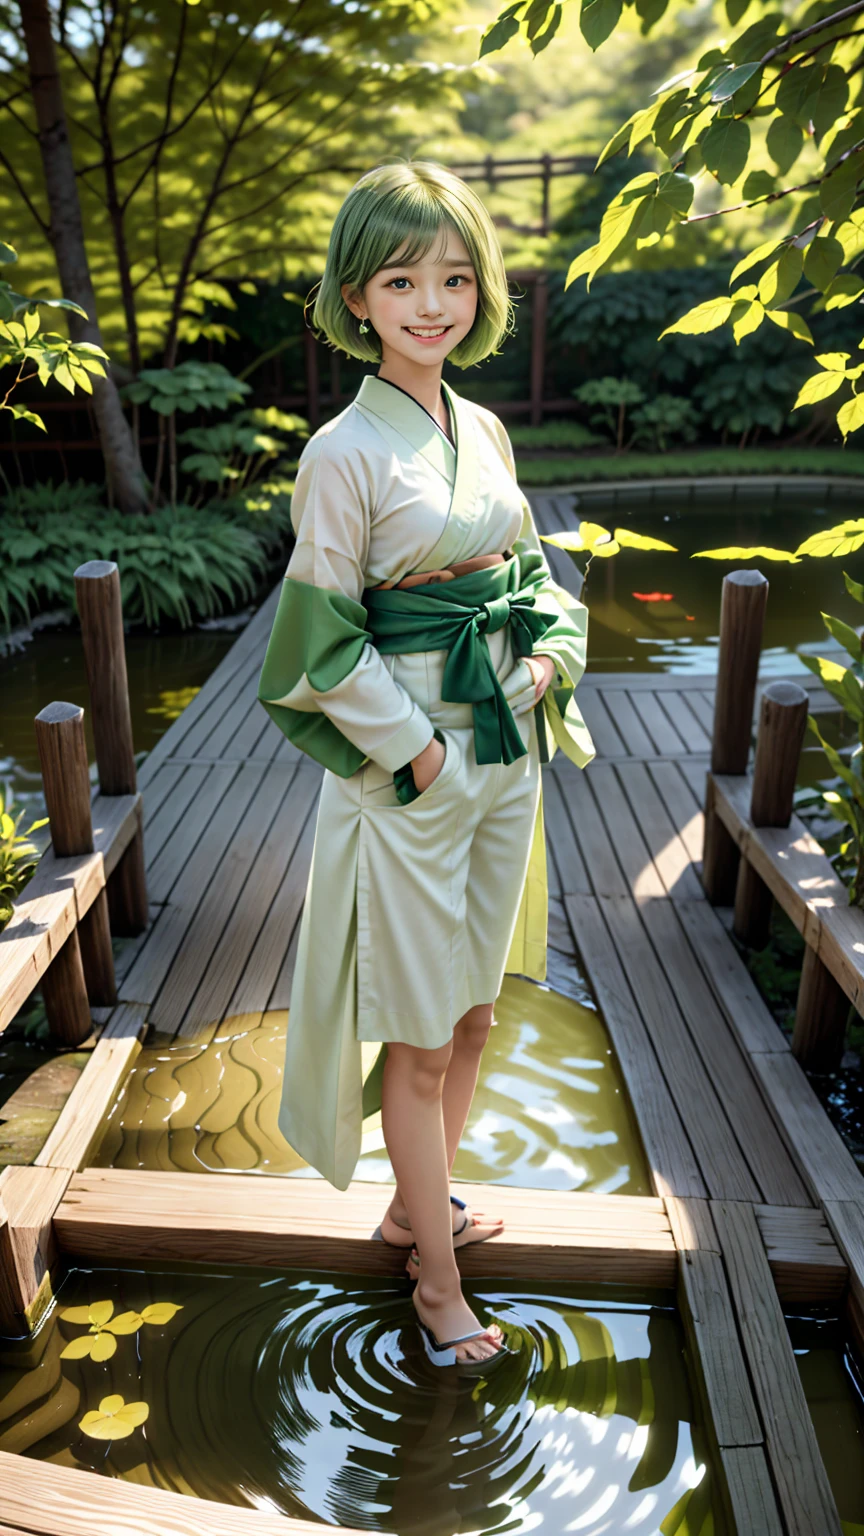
x=753 y=258
x=850 y=417
x=758 y=552
x=821 y=260
x=819 y=387
x=784 y=142
x=629 y=540
x=704 y=317
x=788 y=320
x=843 y=539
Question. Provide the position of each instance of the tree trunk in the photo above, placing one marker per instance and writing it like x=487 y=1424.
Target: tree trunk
x=122 y=462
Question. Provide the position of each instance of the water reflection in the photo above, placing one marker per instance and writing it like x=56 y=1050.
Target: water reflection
x=550 y=1110
x=834 y=1387
x=311 y=1394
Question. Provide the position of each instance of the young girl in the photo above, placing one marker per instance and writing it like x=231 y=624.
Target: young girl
x=423 y=654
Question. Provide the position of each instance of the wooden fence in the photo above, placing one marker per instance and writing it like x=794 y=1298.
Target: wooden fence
x=91 y=881
x=757 y=852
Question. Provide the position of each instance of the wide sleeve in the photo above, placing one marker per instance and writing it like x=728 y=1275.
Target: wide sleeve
x=566 y=638
x=320 y=661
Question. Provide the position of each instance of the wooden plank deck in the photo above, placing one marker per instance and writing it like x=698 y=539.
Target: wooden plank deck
x=749 y=1178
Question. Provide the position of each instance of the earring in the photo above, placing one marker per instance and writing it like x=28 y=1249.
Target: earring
x=364 y=326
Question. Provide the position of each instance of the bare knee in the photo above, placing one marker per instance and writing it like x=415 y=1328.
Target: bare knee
x=420 y=1072
x=472 y=1030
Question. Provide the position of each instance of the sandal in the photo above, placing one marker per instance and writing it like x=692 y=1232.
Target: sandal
x=435 y=1348
x=467 y=1224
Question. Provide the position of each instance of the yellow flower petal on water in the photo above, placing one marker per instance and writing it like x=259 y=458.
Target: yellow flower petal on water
x=115 y=1418
x=100 y=1312
x=78 y=1349
x=103 y=1346
x=76 y=1315
x=160 y=1312
x=125 y=1322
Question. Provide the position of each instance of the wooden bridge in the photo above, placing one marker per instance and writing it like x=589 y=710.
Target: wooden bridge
x=756 y=1202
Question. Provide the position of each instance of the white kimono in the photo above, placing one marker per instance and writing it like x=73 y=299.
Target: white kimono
x=414 y=909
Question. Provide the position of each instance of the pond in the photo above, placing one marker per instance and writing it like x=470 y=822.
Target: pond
x=660 y=612
x=550 y=1111
x=310 y=1394
x=834 y=1387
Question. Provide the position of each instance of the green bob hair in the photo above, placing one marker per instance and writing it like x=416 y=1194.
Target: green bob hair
x=405 y=204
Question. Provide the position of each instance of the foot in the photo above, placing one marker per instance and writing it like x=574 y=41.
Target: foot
x=449 y=1316
x=468 y=1226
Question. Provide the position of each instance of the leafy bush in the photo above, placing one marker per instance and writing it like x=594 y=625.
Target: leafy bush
x=613 y=396
x=552 y=435
x=696 y=464
x=663 y=418
x=238 y=451
x=735 y=388
x=179 y=565
x=18 y=856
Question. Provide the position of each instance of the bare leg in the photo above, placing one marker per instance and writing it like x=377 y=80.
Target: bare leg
x=469 y=1038
x=413 y=1123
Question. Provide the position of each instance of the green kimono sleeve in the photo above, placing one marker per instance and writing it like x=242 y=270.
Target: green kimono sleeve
x=559 y=720
x=318 y=636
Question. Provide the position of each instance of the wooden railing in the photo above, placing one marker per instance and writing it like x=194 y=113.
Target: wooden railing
x=757 y=852
x=90 y=883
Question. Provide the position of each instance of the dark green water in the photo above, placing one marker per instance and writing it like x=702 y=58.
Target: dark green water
x=660 y=612
x=311 y=1395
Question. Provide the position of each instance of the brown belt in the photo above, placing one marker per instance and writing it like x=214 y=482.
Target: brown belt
x=447 y=573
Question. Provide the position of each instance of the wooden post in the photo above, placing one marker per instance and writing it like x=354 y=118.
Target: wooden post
x=84 y=969
x=782 y=723
x=28 y=1200
x=720 y=854
x=821 y=1016
x=97 y=592
x=742 y=614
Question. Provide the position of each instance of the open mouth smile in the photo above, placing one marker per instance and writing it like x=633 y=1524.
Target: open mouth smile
x=427 y=336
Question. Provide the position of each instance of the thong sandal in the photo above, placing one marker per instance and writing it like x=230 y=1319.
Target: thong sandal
x=469 y=1221
x=434 y=1348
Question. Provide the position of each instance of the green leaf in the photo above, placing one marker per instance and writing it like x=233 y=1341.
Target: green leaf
x=780 y=280
x=21 y=413
x=845 y=634
x=843 y=290
x=629 y=540
x=825 y=102
x=8 y=253
x=597 y=19
x=754 y=257
x=789 y=321
x=784 y=142
x=704 y=317
x=758 y=184
x=757 y=552
x=850 y=417
x=843 y=539
x=750 y=321
x=819 y=387
x=854 y=588
x=617 y=141
x=838 y=191
x=735 y=9
x=822 y=258
x=725 y=148
x=731 y=82
x=498 y=34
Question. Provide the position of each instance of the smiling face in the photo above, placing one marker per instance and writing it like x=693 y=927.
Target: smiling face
x=422 y=311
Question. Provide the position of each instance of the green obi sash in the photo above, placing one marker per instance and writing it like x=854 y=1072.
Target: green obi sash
x=319 y=636
x=456 y=616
